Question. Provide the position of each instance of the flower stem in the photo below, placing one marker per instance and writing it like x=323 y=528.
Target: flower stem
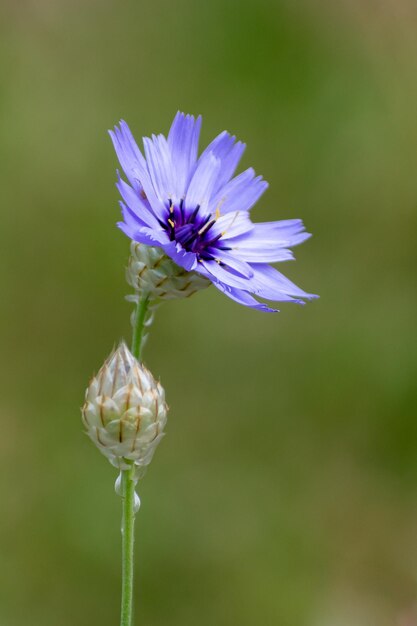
x=128 y=489
x=138 y=325
x=128 y=539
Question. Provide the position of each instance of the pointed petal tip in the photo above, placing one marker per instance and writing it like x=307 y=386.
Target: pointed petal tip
x=123 y=227
x=307 y=297
x=187 y=116
x=118 y=128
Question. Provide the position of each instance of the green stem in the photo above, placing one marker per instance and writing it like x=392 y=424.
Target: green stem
x=128 y=489
x=128 y=539
x=138 y=326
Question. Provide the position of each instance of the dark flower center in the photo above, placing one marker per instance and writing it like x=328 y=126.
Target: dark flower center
x=192 y=231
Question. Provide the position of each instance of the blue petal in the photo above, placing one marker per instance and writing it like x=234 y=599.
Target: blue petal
x=265 y=282
x=202 y=182
x=288 y=233
x=136 y=204
x=144 y=235
x=273 y=285
x=266 y=254
x=241 y=268
x=240 y=194
x=229 y=165
x=128 y=153
x=224 y=148
x=243 y=297
x=214 y=271
x=132 y=220
x=158 y=158
x=187 y=260
x=135 y=168
x=183 y=143
x=268 y=242
x=232 y=225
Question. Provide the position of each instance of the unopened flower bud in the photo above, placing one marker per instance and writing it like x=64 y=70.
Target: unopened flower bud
x=125 y=410
x=153 y=273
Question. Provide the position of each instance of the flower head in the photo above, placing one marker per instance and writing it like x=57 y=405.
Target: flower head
x=125 y=411
x=197 y=212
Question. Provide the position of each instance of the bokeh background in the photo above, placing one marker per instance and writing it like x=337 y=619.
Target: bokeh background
x=285 y=492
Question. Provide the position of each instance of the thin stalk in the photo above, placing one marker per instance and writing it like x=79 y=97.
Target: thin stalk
x=128 y=490
x=138 y=325
x=128 y=540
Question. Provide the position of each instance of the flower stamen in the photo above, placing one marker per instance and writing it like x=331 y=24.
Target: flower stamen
x=206 y=227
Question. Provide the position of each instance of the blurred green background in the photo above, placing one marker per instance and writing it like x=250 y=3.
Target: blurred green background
x=285 y=492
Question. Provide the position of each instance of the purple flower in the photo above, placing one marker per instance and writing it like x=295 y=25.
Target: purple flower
x=198 y=213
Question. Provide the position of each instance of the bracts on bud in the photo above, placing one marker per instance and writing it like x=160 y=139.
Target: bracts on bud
x=154 y=274
x=125 y=411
